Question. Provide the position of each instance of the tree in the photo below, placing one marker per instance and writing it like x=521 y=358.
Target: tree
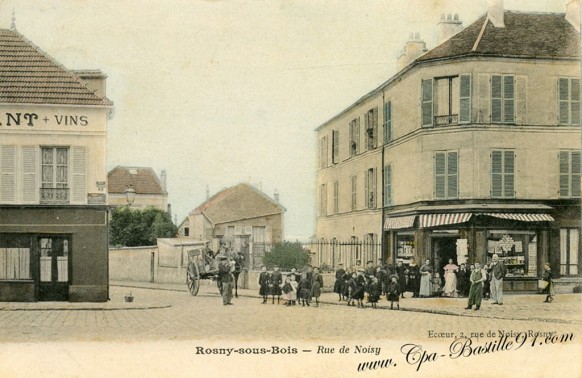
x=287 y=255
x=134 y=227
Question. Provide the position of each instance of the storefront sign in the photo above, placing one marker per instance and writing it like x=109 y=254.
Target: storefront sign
x=34 y=119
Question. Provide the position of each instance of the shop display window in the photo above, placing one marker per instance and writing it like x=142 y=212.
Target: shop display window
x=405 y=250
x=517 y=250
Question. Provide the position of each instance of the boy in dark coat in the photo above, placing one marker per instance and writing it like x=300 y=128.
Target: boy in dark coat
x=276 y=282
x=394 y=292
x=338 y=286
x=304 y=289
x=374 y=292
x=264 y=281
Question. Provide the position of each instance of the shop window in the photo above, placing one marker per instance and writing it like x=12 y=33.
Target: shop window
x=15 y=264
x=404 y=247
x=569 y=101
x=569 y=174
x=517 y=250
x=502 y=174
x=355 y=136
x=569 y=245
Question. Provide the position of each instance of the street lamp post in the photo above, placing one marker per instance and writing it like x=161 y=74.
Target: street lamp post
x=130 y=195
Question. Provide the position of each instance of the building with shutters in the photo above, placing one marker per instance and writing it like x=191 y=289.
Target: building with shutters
x=241 y=215
x=472 y=148
x=149 y=189
x=53 y=191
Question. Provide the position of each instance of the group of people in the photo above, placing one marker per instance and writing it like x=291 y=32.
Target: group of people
x=298 y=287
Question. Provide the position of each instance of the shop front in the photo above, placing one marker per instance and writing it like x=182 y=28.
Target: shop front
x=520 y=239
x=53 y=254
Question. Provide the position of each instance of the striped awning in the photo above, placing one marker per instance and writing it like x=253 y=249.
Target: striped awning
x=523 y=217
x=399 y=222
x=434 y=220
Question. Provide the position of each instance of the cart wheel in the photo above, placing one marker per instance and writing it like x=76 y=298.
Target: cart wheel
x=193 y=279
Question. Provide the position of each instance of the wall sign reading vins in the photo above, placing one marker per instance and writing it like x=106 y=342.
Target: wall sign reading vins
x=33 y=119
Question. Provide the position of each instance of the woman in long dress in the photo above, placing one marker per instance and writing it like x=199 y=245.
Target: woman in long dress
x=450 y=279
x=425 y=277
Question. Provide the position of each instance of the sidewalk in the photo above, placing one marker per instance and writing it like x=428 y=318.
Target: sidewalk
x=566 y=308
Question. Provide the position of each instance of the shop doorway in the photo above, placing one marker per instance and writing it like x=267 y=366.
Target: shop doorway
x=54 y=268
x=443 y=249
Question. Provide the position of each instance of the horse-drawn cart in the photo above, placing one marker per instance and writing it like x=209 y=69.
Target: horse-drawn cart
x=203 y=265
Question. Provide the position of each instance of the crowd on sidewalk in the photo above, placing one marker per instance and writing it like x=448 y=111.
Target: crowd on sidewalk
x=361 y=285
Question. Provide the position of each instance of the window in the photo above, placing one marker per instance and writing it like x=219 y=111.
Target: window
x=387 y=122
x=354 y=192
x=355 y=137
x=502 y=99
x=370 y=191
x=323 y=200
x=335 y=146
x=503 y=174
x=54 y=175
x=387 y=185
x=446 y=175
x=446 y=100
x=335 y=197
x=15 y=264
x=186 y=231
x=569 y=101
x=372 y=128
x=323 y=153
x=569 y=174
x=569 y=241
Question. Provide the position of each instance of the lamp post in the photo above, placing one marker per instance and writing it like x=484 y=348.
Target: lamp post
x=130 y=195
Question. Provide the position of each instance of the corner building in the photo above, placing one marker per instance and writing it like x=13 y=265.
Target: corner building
x=472 y=148
x=53 y=202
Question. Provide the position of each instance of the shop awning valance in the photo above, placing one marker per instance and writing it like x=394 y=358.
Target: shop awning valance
x=523 y=217
x=399 y=222
x=434 y=220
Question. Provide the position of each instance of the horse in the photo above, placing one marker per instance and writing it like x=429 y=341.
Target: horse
x=239 y=260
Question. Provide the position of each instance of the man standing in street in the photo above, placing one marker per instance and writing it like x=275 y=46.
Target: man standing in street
x=498 y=271
x=225 y=271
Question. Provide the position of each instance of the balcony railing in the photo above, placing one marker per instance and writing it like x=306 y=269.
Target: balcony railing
x=54 y=196
x=443 y=120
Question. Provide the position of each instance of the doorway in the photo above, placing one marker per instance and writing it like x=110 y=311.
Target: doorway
x=54 y=268
x=443 y=249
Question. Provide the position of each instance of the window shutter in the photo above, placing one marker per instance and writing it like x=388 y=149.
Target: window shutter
x=29 y=169
x=521 y=100
x=496 y=98
x=563 y=97
x=387 y=122
x=335 y=141
x=465 y=99
x=439 y=174
x=496 y=174
x=374 y=188
x=575 y=101
x=508 y=99
x=351 y=138
x=7 y=178
x=509 y=177
x=484 y=99
x=366 y=190
x=575 y=174
x=564 y=158
x=427 y=103
x=387 y=185
x=357 y=137
x=79 y=190
x=452 y=175
x=375 y=125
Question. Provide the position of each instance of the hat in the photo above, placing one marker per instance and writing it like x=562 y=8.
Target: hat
x=221 y=256
x=361 y=270
x=394 y=276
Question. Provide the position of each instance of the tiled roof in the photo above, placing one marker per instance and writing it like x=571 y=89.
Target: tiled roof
x=528 y=35
x=30 y=76
x=143 y=179
x=238 y=202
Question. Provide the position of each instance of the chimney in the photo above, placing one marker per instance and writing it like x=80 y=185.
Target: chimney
x=448 y=26
x=163 y=179
x=94 y=80
x=573 y=14
x=276 y=195
x=495 y=13
x=414 y=48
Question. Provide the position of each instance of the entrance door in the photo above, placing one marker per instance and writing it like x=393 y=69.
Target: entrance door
x=54 y=268
x=443 y=249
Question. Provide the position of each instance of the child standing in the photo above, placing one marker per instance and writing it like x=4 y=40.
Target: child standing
x=437 y=285
x=360 y=288
x=294 y=285
x=374 y=292
x=394 y=292
x=316 y=285
x=287 y=290
x=351 y=288
x=305 y=289
x=264 y=280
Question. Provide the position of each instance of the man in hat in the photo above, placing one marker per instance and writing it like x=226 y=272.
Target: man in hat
x=498 y=272
x=225 y=270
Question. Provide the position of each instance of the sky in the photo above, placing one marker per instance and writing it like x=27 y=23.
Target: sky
x=219 y=92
